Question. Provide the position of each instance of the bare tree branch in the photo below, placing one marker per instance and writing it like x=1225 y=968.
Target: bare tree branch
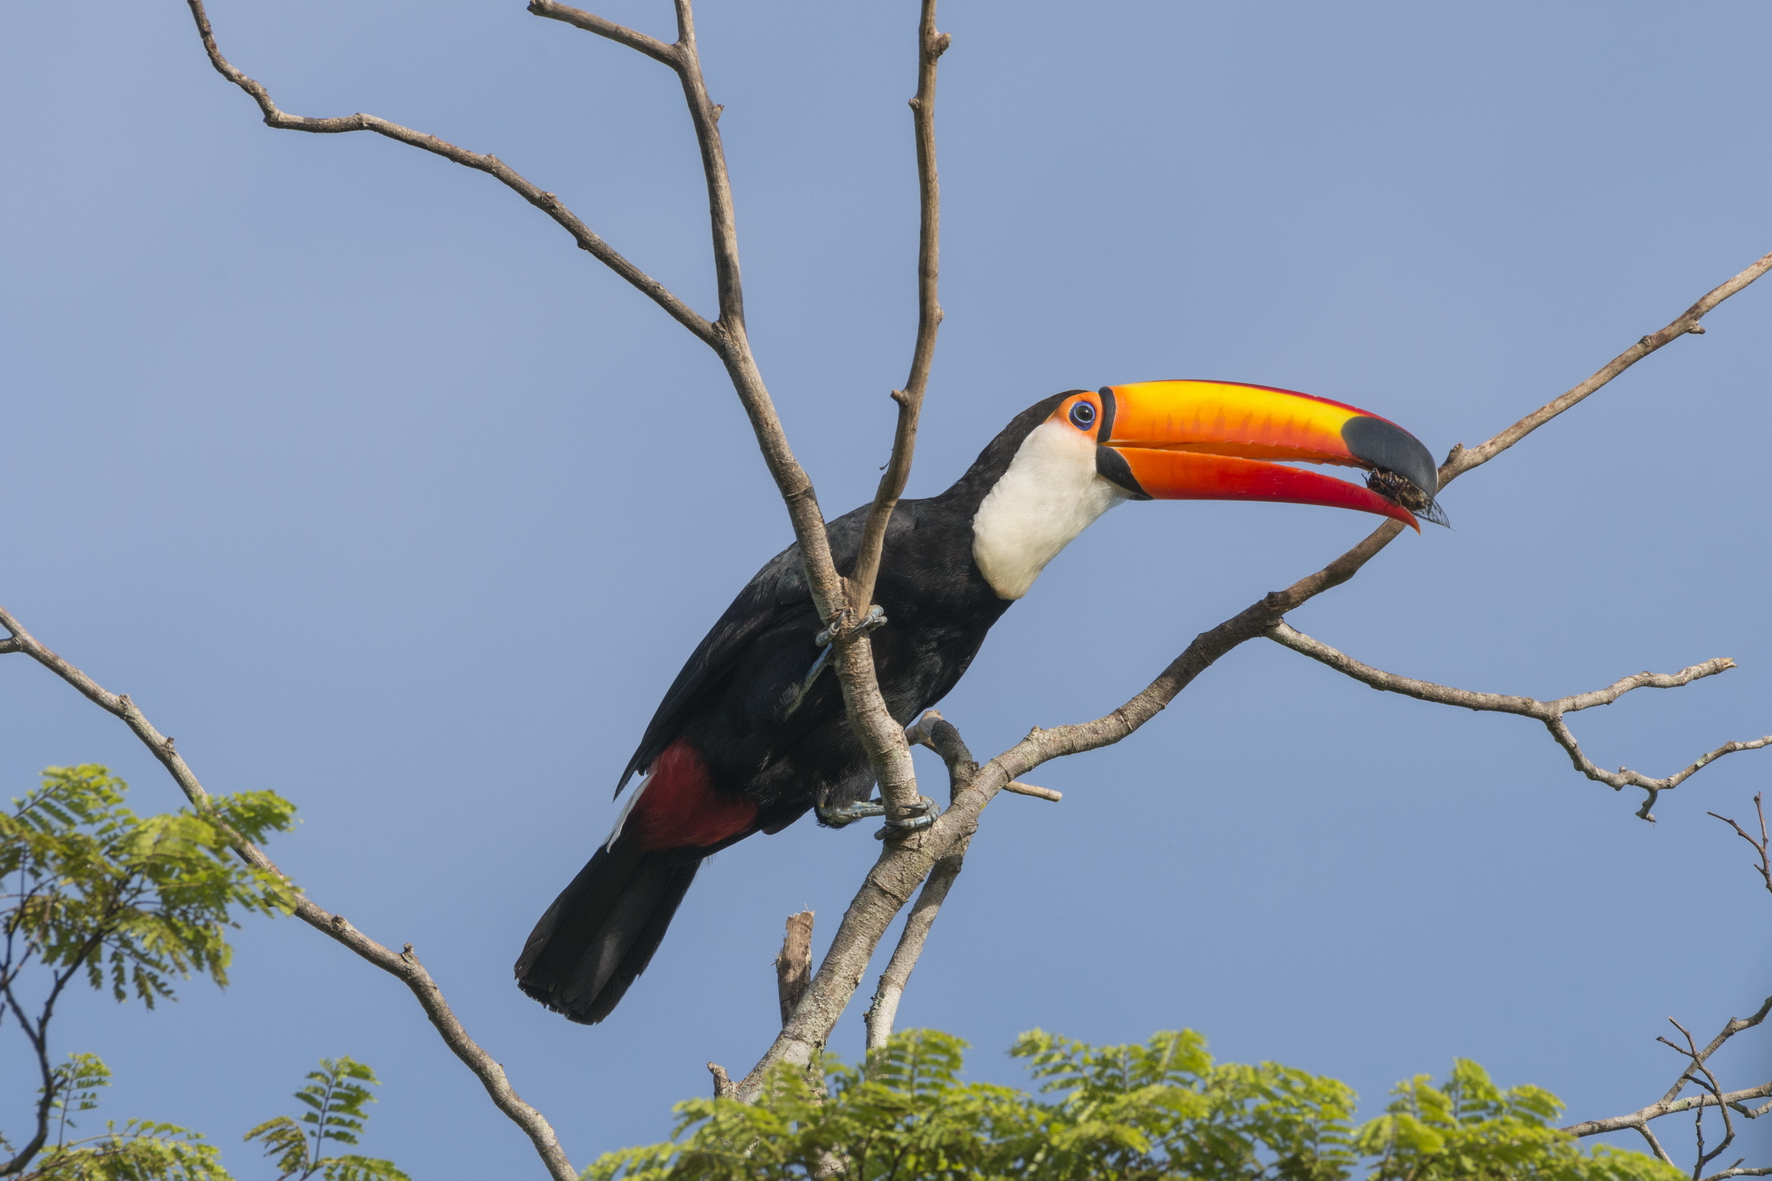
x=1669 y=1103
x=1027 y=789
x=726 y=338
x=905 y=862
x=1761 y=845
x=652 y=47
x=881 y=737
x=1636 y=1119
x=1461 y=460
x=1655 y=1145
x=930 y=46
x=895 y=876
x=1549 y=712
x=1040 y=746
x=491 y=165
x=1708 y=1083
x=403 y=965
x=884 y=1010
x=1732 y=1027
x=940 y=736
x=37 y=1035
x=793 y=966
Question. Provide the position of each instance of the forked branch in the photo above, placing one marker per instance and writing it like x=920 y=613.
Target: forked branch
x=491 y=165
x=1698 y=1073
x=893 y=879
x=841 y=607
x=881 y=737
x=930 y=46
x=1549 y=712
x=940 y=736
x=1762 y=846
x=1712 y=1096
x=403 y=965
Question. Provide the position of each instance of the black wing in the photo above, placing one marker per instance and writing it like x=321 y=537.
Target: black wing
x=776 y=599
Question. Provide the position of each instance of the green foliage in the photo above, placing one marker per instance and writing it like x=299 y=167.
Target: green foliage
x=144 y=1150
x=335 y=1098
x=907 y=1117
x=132 y=901
x=141 y=1150
x=1151 y=1112
x=74 y=1088
x=1468 y=1129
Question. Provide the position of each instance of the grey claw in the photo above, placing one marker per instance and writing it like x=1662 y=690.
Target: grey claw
x=921 y=818
x=849 y=813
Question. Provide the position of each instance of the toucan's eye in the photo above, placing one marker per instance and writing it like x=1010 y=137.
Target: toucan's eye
x=1083 y=415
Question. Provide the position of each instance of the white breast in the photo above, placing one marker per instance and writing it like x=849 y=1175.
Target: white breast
x=1050 y=494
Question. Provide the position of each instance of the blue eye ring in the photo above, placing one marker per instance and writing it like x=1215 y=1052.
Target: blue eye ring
x=1083 y=415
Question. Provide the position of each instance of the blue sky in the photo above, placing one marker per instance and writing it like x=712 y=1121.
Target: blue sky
x=374 y=491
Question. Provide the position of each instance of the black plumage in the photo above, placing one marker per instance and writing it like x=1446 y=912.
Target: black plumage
x=733 y=704
x=745 y=741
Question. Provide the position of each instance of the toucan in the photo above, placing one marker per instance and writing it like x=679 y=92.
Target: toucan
x=750 y=737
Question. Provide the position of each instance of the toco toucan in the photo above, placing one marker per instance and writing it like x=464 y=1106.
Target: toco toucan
x=750 y=737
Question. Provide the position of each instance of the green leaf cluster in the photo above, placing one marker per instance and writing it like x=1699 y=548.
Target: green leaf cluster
x=133 y=901
x=145 y=1150
x=335 y=1097
x=141 y=1150
x=1153 y=1112
x=1468 y=1129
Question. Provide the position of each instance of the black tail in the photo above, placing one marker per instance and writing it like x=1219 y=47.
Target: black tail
x=601 y=931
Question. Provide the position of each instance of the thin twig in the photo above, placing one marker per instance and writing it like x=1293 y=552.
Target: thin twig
x=894 y=877
x=1549 y=712
x=1708 y=1083
x=652 y=47
x=491 y=165
x=1730 y=1028
x=403 y=965
x=869 y=718
x=1669 y=1104
x=1761 y=845
x=1461 y=460
x=930 y=46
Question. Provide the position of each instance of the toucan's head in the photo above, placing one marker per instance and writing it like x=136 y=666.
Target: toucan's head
x=1186 y=440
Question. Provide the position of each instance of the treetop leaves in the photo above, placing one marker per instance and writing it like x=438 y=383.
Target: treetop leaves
x=335 y=1096
x=1160 y=1111
x=132 y=901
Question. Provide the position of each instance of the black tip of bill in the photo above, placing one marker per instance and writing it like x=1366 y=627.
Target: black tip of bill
x=1404 y=470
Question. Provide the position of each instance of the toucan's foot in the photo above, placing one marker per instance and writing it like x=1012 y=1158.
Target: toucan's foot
x=921 y=817
x=842 y=814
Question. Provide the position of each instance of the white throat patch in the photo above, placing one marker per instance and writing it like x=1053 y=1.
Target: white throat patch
x=1050 y=494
